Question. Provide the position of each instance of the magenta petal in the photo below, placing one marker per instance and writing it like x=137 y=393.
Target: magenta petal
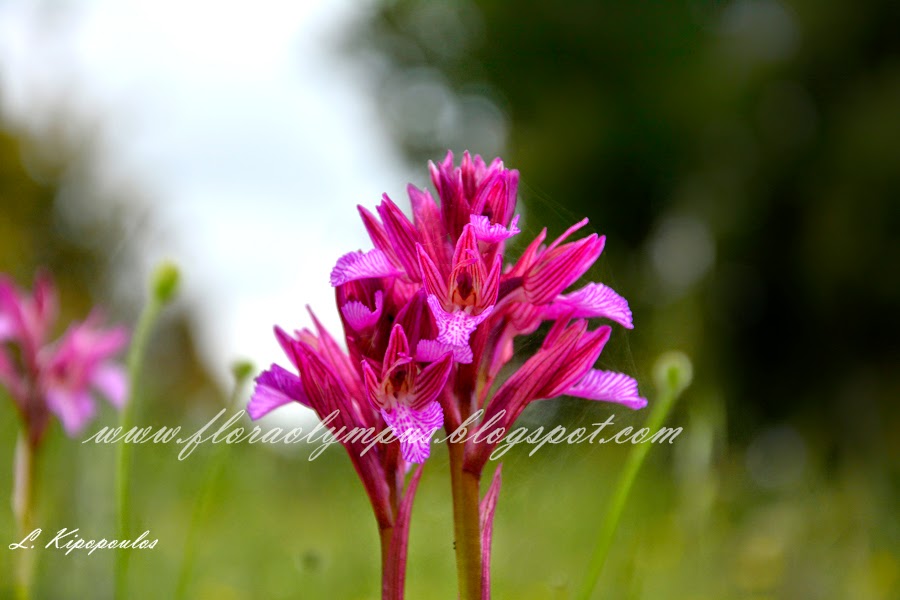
x=426 y=214
x=491 y=285
x=112 y=382
x=431 y=380
x=7 y=328
x=12 y=309
x=486 y=232
x=487 y=509
x=362 y=265
x=414 y=429
x=370 y=382
x=431 y=275
x=275 y=387
x=433 y=350
x=609 y=387
x=376 y=231
x=45 y=299
x=287 y=343
x=402 y=234
x=567 y=233
x=397 y=349
x=359 y=316
x=593 y=300
x=561 y=267
x=466 y=251
x=335 y=355
x=86 y=342
x=73 y=407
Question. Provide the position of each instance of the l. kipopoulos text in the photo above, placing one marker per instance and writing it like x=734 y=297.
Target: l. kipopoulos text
x=71 y=540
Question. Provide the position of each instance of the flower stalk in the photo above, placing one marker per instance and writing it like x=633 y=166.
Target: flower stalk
x=673 y=375
x=388 y=579
x=241 y=372
x=22 y=504
x=164 y=286
x=466 y=524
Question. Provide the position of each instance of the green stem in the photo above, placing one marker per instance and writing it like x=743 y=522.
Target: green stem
x=123 y=455
x=204 y=501
x=670 y=388
x=466 y=524
x=22 y=504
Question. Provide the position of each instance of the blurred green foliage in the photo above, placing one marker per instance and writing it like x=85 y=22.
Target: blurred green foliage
x=742 y=157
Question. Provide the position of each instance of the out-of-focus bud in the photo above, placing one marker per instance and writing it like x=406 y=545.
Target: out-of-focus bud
x=166 y=279
x=673 y=372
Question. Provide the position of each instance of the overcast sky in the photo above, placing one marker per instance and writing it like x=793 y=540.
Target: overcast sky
x=259 y=139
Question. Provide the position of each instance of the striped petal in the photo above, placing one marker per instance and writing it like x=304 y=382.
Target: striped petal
x=609 y=387
x=397 y=349
x=275 y=387
x=372 y=385
x=430 y=381
x=559 y=267
x=431 y=275
x=401 y=233
x=487 y=232
x=362 y=265
x=433 y=350
x=359 y=316
x=593 y=300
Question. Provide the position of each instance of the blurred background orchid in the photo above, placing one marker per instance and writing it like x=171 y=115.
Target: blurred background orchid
x=58 y=377
x=44 y=378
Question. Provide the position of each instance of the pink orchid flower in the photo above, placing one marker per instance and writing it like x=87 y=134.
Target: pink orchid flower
x=450 y=256
x=57 y=378
x=430 y=314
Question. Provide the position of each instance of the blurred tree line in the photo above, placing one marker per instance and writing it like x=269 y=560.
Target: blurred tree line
x=743 y=159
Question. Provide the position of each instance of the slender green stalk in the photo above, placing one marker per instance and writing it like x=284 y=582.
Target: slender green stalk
x=673 y=374
x=165 y=282
x=22 y=503
x=201 y=508
x=466 y=524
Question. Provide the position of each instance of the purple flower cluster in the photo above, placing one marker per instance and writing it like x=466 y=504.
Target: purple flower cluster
x=431 y=312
